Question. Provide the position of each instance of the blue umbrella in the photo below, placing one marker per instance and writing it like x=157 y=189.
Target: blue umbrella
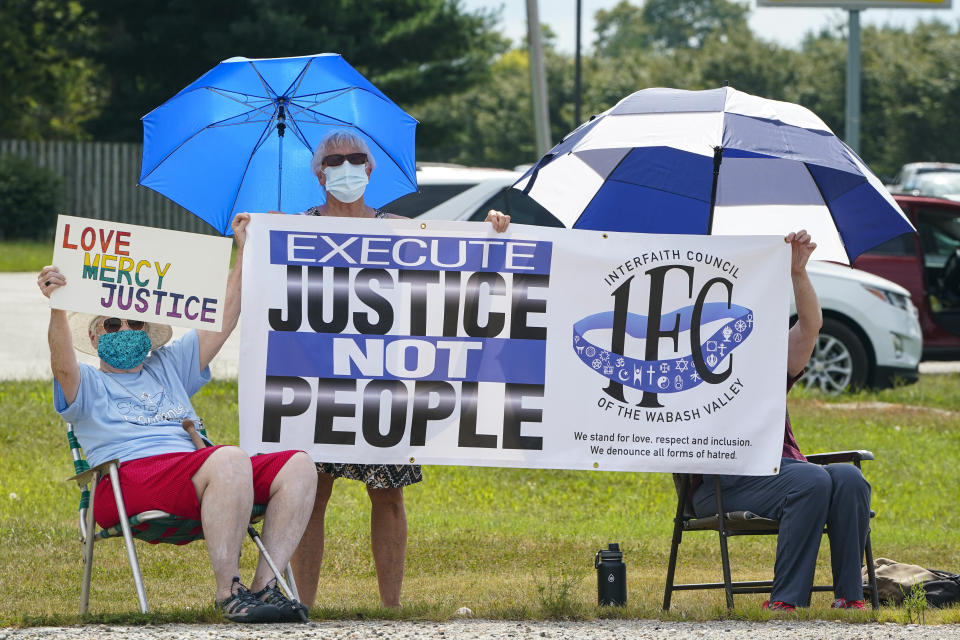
x=715 y=162
x=241 y=137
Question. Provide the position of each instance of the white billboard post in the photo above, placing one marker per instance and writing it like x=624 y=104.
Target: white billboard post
x=853 y=8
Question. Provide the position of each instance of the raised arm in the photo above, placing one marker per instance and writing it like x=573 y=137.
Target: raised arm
x=211 y=341
x=803 y=334
x=63 y=359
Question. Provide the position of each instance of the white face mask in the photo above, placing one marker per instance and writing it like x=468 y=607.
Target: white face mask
x=346 y=182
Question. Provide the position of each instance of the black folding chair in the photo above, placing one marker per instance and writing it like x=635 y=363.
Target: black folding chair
x=744 y=523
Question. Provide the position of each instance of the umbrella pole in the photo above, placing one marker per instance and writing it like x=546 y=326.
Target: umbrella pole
x=717 y=159
x=281 y=127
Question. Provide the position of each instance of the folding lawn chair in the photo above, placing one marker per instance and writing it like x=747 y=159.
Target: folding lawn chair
x=744 y=523
x=150 y=526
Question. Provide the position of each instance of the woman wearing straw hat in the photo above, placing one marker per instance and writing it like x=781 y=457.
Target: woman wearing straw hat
x=131 y=408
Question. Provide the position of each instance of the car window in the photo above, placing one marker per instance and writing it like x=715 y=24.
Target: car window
x=902 y=245
x=429 y=196
x=522 y=209
x=939 y=236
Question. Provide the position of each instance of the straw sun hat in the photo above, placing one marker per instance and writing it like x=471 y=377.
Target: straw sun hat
x=83 y=324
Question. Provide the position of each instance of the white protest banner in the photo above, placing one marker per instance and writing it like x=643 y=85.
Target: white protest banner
x=141 y=273
x=395 y=341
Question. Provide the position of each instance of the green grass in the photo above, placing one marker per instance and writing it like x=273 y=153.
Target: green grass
x=25 y=256
x=508 y=543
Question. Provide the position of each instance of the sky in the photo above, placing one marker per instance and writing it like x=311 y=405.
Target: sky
x=785 y=26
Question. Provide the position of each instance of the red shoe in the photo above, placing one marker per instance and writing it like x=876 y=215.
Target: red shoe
x=777 y=605
x=843 y=603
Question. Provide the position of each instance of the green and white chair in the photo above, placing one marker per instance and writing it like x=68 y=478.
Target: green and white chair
x=153 y=526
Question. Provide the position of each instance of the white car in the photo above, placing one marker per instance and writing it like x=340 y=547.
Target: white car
x=870 y=337
x=934 y=184
x=455 y=192
x=907 y=179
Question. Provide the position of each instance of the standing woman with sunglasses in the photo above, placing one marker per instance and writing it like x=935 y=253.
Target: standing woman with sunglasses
x=343 y=165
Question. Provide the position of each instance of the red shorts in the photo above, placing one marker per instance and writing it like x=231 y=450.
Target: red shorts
x=164 y=482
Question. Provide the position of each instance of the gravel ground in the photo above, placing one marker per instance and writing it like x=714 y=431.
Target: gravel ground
x=485 y=629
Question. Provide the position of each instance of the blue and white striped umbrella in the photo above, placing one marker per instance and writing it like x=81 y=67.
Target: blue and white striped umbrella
x=715 y=162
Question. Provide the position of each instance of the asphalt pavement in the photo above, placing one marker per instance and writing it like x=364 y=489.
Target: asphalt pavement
x=24 y=354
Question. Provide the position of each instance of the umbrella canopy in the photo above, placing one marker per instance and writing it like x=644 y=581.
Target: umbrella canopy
x=715 y=162
x=241 y=137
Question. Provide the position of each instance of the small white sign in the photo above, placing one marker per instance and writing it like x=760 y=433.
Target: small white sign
x=141 y=273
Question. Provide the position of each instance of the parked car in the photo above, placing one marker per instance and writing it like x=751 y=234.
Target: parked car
x=456 y=192
x=935 y=184
x=927 y=264
x=906 y=179
x=870 y=336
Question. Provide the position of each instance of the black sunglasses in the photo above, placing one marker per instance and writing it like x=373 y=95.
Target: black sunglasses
x=336 y=159
x=112 y=325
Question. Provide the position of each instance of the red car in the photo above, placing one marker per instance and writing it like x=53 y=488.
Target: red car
x=928 y=265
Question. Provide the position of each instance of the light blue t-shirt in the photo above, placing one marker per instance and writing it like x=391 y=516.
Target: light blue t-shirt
x=135 y=415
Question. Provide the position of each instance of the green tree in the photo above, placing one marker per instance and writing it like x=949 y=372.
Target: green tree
x=30 y=199
x=491 y=124
x=678 y=24
x=49 y=91
x=620 y=31
x=909 y=91
x=747 y=64
x=411 y=50
x=666 y=25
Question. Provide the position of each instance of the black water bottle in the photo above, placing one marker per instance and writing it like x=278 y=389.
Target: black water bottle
x=611 y=576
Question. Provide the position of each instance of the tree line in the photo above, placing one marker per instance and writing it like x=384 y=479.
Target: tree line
x=89 y=69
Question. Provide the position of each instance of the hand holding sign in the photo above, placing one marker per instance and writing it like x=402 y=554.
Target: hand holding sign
x=239 y=226
x=50 y=279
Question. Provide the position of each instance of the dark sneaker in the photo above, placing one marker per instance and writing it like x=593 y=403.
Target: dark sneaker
x=291 y=610
x=843 y=603
x=242 y=606
x=777 y=605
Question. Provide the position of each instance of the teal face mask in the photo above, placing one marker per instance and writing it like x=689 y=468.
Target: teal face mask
x=123 y=349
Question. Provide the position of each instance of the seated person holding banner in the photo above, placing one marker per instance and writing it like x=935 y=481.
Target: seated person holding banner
x=803 y=496
x=342 y=164
x=131 y=409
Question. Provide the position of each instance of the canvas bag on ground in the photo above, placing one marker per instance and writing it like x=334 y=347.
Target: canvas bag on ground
x=895 y=579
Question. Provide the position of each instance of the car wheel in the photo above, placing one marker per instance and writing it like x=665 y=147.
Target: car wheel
x=839 y=360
